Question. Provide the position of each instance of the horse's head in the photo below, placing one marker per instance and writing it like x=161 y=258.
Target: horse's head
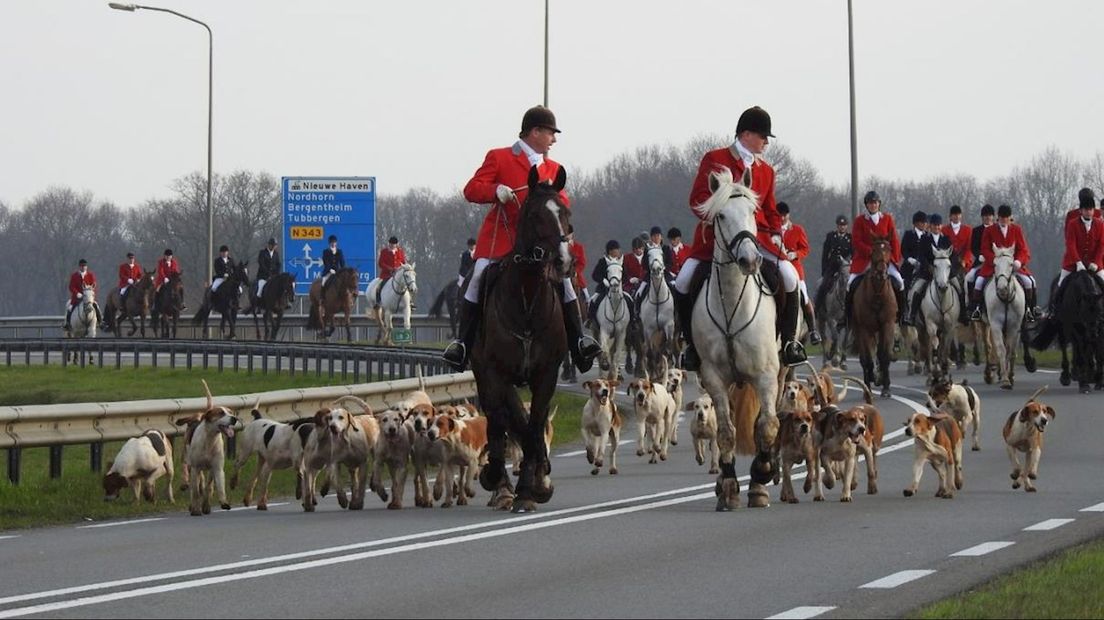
x=241 y=271
x=615 y=271
x=1003 y=268
x=653 y=258
x=543 y=225
x=408 y=277
x=879 y=255
x=88 y=296
x=844 y=265
x=941 y=269
x=731 y=211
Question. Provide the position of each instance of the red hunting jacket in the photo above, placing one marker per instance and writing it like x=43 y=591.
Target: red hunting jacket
x=77 y=284
x=767 y=218
x=961 y=243
x=510 y=167
x=1084 y=245
x=634 y=268
x=863 y=232
x=389 y=262
x=678 y=257
x=126 y=272
x=166 y=271
x=796 y=241
x=1014 y=238
x=578 y=253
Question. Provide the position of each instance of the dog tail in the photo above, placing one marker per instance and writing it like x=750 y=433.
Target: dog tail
x=207 y=390
x=313 y=320
x=1036 y=394
x=868 y=396
x=421 y=379
x=359 y=401
x=743 y=408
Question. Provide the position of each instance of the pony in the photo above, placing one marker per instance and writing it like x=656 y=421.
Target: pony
x=275 y=299
x=82 y=322
x=521 y=341
x=1078 y=321
x=1005 y=304
x=395 y=298
x=734 y=332
x=939 y=311
x=448 y=299
x=139 y=303
x=168 y=303
x=832 y=318
x=225 y=301
x=874 y=314
x=339 y=297
x=614 y=314
x=657 y=315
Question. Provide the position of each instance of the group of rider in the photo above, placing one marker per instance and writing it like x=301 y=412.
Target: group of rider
x=501 y=183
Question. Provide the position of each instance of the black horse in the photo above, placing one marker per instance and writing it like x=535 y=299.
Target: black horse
x=168 y=303
x=448 y=298
x=225 y=300
x=1078 y=321
x=521 y=341
x=275 y=299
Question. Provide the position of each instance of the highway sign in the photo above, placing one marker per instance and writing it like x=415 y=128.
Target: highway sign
x=317 y=207
x=402 y=336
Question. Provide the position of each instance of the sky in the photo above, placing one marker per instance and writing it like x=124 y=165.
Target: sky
x=415 y=92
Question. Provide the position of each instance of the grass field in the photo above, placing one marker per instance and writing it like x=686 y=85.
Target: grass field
x=78 y=494
x=1067 y=586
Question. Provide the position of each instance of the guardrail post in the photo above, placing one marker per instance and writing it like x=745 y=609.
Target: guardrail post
x=331 y=364
x=55 y=461
x=64 y=355
x=249 y=362
x=153 y=351
x=136 y=365
x=172 y=356
x=220 y=360
x=264 y=364
x=205 y=364
x=15 y=462
x=118 y=358
x=96 y=455
x=188 y=358
x=99 y=357
x=27 y=351
x=279 y=362
x=291 y=361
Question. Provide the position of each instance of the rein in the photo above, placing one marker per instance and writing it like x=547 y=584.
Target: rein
x=731 y=246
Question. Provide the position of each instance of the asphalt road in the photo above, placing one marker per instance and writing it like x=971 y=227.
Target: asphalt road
x=644 y=543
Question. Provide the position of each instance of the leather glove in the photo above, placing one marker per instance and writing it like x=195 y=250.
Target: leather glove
x=504 y=194
x=130 y=280
x=166 y=280
x=791 y=255
x=914 y=262
x=80 y=295
x=634 y=280
x=981 y=259
x=1093 y=267
x=777 y=240
x=332 y=272
x=1080 y=266
x=1017 y=264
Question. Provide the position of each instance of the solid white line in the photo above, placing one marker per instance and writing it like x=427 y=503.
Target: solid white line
x=118 y=523
x=276 y=570
x=897 y=579
x=1049 y=524
x=982 y=549
x=1095 y=508
x=8 y=537
x=239 y=508
x=801 y=613
x=623 y=442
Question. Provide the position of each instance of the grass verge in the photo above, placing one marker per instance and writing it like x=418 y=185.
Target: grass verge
x=1066 y=586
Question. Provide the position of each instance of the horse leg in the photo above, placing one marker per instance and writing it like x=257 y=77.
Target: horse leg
x=766 y=431
x=348 y=325
x=884 y=358
x=866 y=357
x=728 y=487
x=537 y=453
x=1029 y=358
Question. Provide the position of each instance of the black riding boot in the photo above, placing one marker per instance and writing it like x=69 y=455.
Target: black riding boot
x=583 y=348
x=975 y=304
x=68 y=315
x=963 y=308
x=793 y=352
x=902 y=305
x=849 y=301
x=684 y=310
x=1031 y=314
x=99 y=315
x=810 y=318
x=458 y=351
x=914 y=308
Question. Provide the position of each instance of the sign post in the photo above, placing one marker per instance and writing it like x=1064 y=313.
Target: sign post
x=317 y=207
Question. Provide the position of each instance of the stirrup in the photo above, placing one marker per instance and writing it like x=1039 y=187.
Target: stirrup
x=793 y=353
x=456 y=355
x=814 y=337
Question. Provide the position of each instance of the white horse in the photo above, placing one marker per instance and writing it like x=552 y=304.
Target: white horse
x=82 y=322
x=734 y=332
x=657 y=314
x=394 y=298
x=613 y=321
x=939 y=309
x=1006 y=303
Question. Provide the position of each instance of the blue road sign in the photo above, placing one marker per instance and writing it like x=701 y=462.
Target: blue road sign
x=317 y=207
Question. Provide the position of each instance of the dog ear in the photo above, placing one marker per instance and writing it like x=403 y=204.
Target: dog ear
x=320 y=415
x=586 y=385
x=1050 y=410
x=1024 y=415
x=212 y=414
x=451 y=425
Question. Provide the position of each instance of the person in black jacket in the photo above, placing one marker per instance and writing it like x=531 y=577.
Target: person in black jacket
x=613 y=251
x=332 y=260
x=912 y=248
x=268 y=266
x=988 y=218
x=932 y=240
x=467 y=261
x=837 y=245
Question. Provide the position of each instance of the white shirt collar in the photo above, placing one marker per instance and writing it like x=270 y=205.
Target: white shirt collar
x=1003 y=228
x=919 y=233
x=535 y=158
x=747 y=156
x=874 y=217
x=1088 y=223
x=956 y=227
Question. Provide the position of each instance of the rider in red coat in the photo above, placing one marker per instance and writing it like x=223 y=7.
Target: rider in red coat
x=1084 y=244
x=390 y=259
x=130 y=272
x=961 y=236
x=167 y=267
x=796 y=244
x=578 y=256
x=1005 y=234
x=503 y=182
x=875 y=223
x=753 y=133
x=78 y=281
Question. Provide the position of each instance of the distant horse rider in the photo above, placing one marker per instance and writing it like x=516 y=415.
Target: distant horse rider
x=932 y=240
x=912 y=252
x=332 y=261
x=961 y=237
x=467 y=261
x=130 y=272
x=268 y=266
x=224 y=266
x=1005 y=234
x=874 y=223
x=578 y=256
x=1084 y=244
x=598 y=275
x=988 y=218
x=502 y=181
x=390 y=259
x=796 y=243
x=167 y=267
x=837 y=247
x=81 y=278
x=679 y=253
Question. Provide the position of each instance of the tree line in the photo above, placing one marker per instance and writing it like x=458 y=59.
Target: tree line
x=41 y=240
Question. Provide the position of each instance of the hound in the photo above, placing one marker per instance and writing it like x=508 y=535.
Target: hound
x=206 y=454
x=654 y=410
x=841 y=436
x=393 y=444
x=464 y=441
x=676 y=377
x=1023 y=432
x=962 y=402
x=277 y=446
x=139 y=464
x=703 y=430
x=939 y=442
x=601 y=422
x=425 y=453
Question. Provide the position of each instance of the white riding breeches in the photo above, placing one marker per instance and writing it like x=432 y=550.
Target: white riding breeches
x=804 y=290
x=216 y=284
x=260 y=286
x=123 y=290
x=1026 y=281
x=1065 y=274
x=893 y=273
x=790 y=278
x=472 y=294
x=686 y=274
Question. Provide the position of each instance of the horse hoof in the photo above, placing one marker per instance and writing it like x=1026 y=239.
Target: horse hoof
x=886 y=393
x=523 y=506
x=1031 y=365
x=262 y=507
x=758 y=497
x=1006 y=385
x=674 y=442
x=1031 y=490
x=640 y=453
x=1065 y=379
x=1015 y=485
x=845 y=500
x=843 y=365
x=714 y=472
x=543 y=495
x=490 y=477
x=594 y=472
x=975 y=449
x=909 y=492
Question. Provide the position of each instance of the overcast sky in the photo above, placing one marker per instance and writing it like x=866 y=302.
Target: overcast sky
x=414 y=92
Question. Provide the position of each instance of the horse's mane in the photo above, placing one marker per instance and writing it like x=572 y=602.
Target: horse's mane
x=727 y=188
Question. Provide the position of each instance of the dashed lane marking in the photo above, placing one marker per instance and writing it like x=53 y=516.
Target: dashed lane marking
x=1049 y=524
x=120 y=523
x=982 y=549
x=801 y=613
x=897 y=579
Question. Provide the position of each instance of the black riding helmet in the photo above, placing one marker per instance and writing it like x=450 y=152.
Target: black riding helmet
x=987 y=210
x=1086 y=198
x=919 y=217
x=871 y=196
x=612 y=245
x=841 y=220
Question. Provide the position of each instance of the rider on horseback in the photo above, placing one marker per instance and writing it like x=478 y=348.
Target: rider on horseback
x=268 y=266
x=81 y=278
x=224 y=266
x=912 y=256
x=578 y=256
x=932 y=240
x=744 y=158
x=167 y=267
x=961 y=237
x=601 y=289
x=1084 y=243
x=874 y=223
x=679 y=253
x=130 y=272
x=467 y=261
x=837 y=248
x=390 y=259
x=1005 y=235
x=332 y=261
x=796 y=243
x=988 y=218
x=498 y=182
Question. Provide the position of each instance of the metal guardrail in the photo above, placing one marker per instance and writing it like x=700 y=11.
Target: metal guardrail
x=353 y=361
x=94 y=423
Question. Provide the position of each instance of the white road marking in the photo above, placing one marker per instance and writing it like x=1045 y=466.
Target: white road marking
x=897 y=579
x=1096 y=508
x=1049 y=524
x=118 y=523
x=623 y=442
x=8 y=537
x=252 y=507
x=801 y=613
x=982 y=549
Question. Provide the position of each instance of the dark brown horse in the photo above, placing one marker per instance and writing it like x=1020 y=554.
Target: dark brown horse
x=167 y=306
x=874 y=314
x=225 y=301
x=276 y=298
x=521 y=341
x=138 y=304
x=338 y=297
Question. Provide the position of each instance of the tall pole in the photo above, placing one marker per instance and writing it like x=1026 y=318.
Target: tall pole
x=546 y=53
x=854 y=131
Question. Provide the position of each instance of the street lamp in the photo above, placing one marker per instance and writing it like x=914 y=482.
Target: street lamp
x=546 y=53
x=854 y=131
x=119 y=6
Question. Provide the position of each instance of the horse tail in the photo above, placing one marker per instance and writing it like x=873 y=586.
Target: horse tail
x=1047 y=333
x=202 y=314
x=438 y=304
x=743 y=407
x=313 y=320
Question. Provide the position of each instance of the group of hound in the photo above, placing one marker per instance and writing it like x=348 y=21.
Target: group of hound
x=814 y=430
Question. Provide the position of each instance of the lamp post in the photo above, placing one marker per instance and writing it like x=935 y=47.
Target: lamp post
x=854 y=131
x=210 y=108
x=546 y=53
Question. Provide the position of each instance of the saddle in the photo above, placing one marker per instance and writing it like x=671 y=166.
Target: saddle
x=379 y=290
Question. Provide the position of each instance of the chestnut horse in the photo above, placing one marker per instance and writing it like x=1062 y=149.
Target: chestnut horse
x=874 y=314
x=521 y=341
x=338 y=296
